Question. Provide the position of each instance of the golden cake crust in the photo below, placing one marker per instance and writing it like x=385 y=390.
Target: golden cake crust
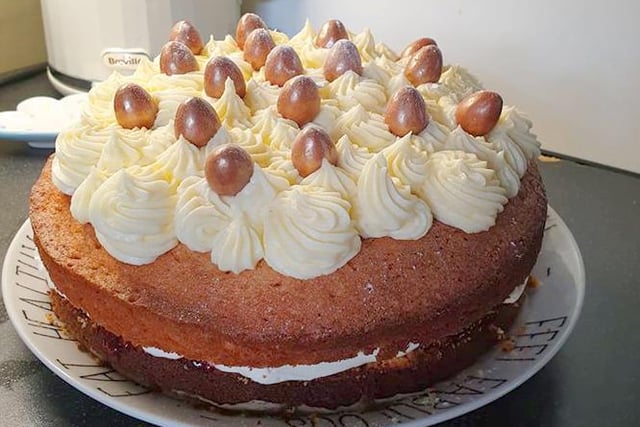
x=392 y=293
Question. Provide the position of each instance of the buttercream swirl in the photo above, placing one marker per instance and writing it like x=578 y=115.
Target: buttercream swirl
x=364 y=128
x=261 y=95
x=351 y=90
x=385 y=207
x=308 y=232
x=231 y=108
x=462 y=192
x=461 y=140
x=132 y=215
x=303 y=43
x=124 y=148
x=383 y=50
x=230 y=227
x=306 y=35
x=277 y=133
x=328 y=115
x=407 y=161
x=98 y=110
x=78 y=148
x=332 y=178
x=351 y=157
x=252 y=143
x=366 y=45
x=513 y=134
x=435 y=135
x=459 y=81
x=222 y=47
x=169 y=100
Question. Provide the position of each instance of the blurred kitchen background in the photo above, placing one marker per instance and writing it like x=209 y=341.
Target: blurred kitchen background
x=572 y=66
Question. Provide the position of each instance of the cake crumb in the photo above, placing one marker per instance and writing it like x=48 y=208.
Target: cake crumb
x=533 y=282
x=507 y=345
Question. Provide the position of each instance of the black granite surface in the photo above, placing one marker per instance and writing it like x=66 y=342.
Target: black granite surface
x=593 y=381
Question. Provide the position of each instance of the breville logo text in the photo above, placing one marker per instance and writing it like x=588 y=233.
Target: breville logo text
x=121 y=59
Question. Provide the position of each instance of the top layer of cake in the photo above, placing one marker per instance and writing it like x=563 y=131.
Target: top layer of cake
x=144 y=190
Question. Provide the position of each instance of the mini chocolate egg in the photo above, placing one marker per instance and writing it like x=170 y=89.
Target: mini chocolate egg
x=342 y=57
x=299 y=100
x=406 y=112
x=424 y=66
x=415 y=45
x=330 y=32
x=134 y=107
x=311 y=146
x=177 y=58
x=228 y=169
x=187 y=34
x=246 y=24
x=479 y=112
x=197 y=121
x=257 y=47
x=282 y=64
x=218 y=69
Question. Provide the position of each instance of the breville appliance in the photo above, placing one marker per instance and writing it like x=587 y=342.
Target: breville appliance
x=89 y=39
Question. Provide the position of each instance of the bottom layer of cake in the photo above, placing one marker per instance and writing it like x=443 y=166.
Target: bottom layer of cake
x=201 y=381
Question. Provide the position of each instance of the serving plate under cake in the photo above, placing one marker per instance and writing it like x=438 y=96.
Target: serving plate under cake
x=545 y=322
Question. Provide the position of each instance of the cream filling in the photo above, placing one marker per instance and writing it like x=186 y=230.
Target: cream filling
x=516 y=293
x=279 y=374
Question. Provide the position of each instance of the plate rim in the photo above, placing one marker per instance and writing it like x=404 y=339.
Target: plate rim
x=131 y=410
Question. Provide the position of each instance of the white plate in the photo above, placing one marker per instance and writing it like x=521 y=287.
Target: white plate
x=39 y=119
x=546 y=320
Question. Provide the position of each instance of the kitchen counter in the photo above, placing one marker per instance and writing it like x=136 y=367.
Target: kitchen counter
x=593 y=381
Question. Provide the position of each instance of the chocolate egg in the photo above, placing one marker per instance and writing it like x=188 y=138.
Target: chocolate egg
x=342 y=57
x=406 y=112
x=415 y=45
x=247 y=23
x=257 y=47
x=187 y=34
x=330 y=32
x=310 y=147
x=424 y=66
x=177 y=58
x=218 y=69
x=282 y=64
x=197 y=121
x=134 y=107
x=299 y=100
x=479 y=112
x=228 y=169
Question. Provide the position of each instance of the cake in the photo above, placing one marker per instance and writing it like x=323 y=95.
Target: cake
x=313 y=221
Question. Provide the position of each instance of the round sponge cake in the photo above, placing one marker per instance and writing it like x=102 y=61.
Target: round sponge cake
x=393 y=293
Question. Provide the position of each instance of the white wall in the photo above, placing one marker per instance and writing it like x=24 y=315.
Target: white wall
x=573 y=66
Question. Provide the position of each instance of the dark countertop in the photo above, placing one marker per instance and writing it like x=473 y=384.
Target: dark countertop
x=594 y=380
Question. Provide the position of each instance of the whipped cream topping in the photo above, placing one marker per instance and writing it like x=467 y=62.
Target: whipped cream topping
x=132 y=215
x=308 y=232
x=351 y=90
x=364 y=128
x=231 y=228
x=462 y=192
x=231 y=110
x=458 y=139
x=382 y=185
x=385 y=207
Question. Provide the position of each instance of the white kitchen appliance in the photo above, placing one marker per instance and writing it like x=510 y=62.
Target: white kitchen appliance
x=89 y=39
